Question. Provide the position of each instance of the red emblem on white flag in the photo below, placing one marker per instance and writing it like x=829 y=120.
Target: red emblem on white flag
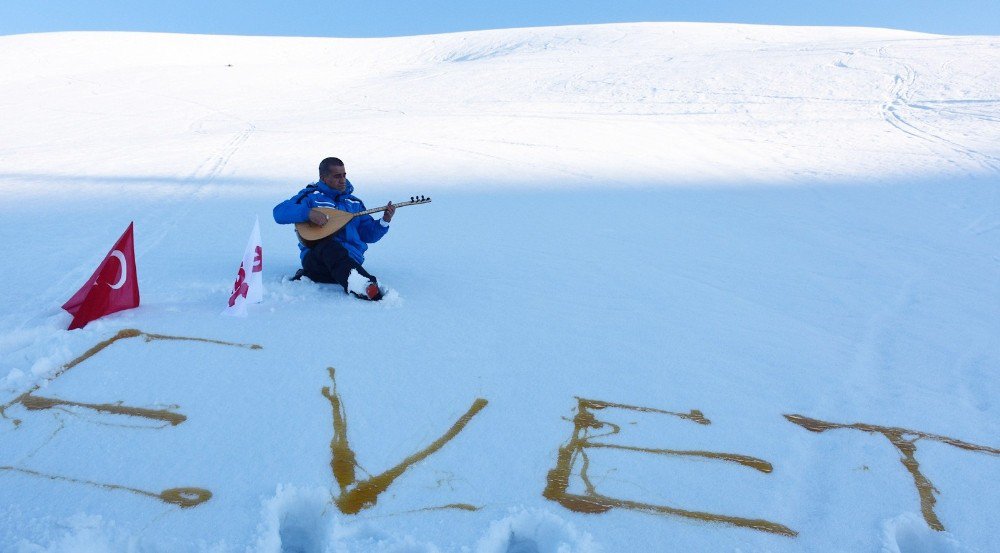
x=249 y=285
x=113 y=286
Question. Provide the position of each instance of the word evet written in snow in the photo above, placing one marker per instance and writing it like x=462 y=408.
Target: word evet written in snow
x=356 y=496
x=183 y=497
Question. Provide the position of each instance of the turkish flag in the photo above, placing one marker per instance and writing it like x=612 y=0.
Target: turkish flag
x=113 y=286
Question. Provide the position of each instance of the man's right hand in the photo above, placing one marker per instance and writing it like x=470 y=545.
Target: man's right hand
x=317 y=217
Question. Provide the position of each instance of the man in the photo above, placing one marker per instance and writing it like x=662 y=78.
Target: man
x=337 y=258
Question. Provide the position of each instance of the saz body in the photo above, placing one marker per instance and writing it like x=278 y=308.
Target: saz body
x=310 y=234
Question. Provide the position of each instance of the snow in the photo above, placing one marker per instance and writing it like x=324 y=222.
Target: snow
x=747 y=221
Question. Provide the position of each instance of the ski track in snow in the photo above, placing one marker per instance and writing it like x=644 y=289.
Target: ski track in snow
x=899 y=111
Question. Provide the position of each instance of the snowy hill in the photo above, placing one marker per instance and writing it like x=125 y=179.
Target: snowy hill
x=687 y=287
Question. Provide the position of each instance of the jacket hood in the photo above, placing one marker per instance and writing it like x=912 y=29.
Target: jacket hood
x=333 y=192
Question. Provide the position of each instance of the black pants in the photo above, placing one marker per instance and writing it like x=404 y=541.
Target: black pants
x=330 y=263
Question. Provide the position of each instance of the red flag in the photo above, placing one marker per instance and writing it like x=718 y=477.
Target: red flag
x=113 y=286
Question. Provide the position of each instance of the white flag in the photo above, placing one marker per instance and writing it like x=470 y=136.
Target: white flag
x=249 y=285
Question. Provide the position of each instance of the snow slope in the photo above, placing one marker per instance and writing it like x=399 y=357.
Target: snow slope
x=746 y=221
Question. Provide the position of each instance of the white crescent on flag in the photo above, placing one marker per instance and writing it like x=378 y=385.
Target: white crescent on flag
x=124 y=266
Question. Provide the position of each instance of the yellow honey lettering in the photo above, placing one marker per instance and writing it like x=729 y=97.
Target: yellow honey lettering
x=37 y=403
x=905 y=441
x=557 y=480
x=182 y=497
x=356 y=496
x=97 y=348
x=185 y=497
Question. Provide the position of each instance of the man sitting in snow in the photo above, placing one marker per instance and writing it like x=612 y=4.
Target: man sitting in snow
x=337 y=258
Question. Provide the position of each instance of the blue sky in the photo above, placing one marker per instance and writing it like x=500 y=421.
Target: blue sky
x=373 y=18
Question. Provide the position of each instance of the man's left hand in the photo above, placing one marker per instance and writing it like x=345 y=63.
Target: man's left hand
x=390 y=210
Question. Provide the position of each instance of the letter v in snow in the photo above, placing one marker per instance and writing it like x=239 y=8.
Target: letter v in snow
x=113 y=286
x=249 y=285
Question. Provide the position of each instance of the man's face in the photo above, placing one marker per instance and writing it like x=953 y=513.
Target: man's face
x=336 y=178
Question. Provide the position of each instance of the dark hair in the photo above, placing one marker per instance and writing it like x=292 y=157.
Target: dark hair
x=326 y=164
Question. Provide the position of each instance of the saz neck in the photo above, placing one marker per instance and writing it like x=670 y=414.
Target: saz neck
x=400 y=204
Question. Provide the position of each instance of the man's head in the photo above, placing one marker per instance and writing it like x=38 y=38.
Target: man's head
x=333 y=174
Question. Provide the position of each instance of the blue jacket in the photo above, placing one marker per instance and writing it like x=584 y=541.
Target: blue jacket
x=355 y=236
